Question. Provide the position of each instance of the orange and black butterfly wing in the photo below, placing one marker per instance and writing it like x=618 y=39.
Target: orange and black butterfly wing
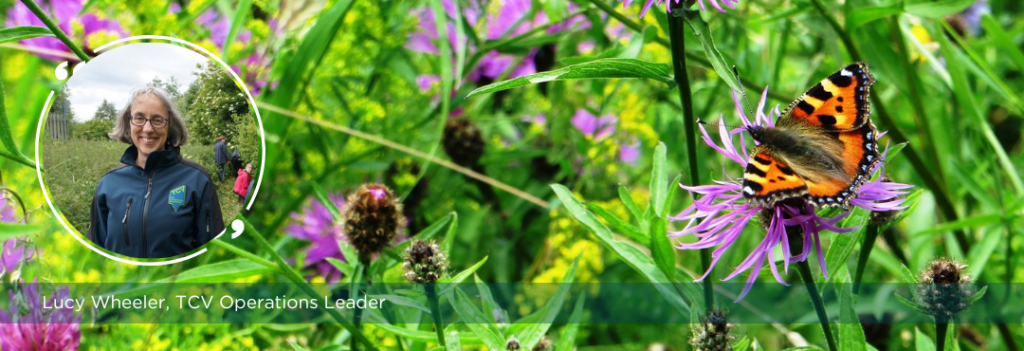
x=859 y=157
x=767 y=179
x=839 y=102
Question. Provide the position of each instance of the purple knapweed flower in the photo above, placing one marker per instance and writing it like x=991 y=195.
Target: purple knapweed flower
x=507 y=21
x=599 y=128
x=316 y=224
x=13 y=252
x=668 y=7
x=720 y=213
x=66 y=14
x=27 y=326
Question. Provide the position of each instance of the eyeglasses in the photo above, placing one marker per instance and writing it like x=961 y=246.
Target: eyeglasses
x=158 y=122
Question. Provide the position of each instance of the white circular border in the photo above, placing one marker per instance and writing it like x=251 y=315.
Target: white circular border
x=259 y=121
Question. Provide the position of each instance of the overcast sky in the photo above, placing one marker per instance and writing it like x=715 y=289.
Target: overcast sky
x=113 y=74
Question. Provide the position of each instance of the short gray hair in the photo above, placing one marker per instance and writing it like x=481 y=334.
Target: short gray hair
x=177 y=134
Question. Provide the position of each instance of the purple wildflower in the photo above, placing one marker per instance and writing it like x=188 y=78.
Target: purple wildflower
x=496 y=25
x=595 y=127
x=714 y=3
x=26 y=327
x=13 y=252
x=65 y=12
x=719 y=215
x=317 y=225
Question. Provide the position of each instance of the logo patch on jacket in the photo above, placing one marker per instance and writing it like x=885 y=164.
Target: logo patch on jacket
x=177 y=197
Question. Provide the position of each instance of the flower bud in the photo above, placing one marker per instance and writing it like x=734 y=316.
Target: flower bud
x=424 y=262
x=513 y=344
x=543 y=345
x=713 y=333
x=373 y=217
x=944 y=289
x=463 y=142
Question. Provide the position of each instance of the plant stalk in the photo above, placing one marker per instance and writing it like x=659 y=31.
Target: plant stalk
x=63 y=37
x=941 y=327
x=435 y=311
x=357 y=314
x=819 y=306
x=677 y=36
x=865 y=253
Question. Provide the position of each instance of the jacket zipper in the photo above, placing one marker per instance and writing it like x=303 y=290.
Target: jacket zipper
x=125 y=221
x=207 y=223
x=145 y=215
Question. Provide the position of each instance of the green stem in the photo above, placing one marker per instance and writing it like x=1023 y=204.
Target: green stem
x=435 y=310
x=636 y=27
x=941 y=197
x=889 y=235
x=677 y=36
x=941 y=327
x=19 y=159
x=819 y=306
x=294 y=276
x=865 y=253
x=357 y=314
x=56 y=30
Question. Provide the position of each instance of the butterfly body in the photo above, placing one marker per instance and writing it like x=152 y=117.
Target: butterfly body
x=821 y=149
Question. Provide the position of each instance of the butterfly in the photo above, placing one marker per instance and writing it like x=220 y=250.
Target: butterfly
x=822 y=147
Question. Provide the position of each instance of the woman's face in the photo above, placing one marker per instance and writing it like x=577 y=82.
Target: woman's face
x=146 y=137
x=248 y=168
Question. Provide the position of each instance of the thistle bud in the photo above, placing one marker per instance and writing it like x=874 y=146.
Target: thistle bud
x=463 y=142
x=424 y=262
x=513 y=344
x=543 y=345
x=944 y=289
x=373 y=217
x=713 y=333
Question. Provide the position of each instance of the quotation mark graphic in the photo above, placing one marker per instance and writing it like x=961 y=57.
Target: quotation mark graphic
x=237 y=227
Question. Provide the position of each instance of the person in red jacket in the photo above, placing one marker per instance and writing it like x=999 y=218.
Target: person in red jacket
x=242 y=183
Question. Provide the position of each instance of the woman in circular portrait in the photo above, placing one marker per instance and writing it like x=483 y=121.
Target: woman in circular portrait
x=155 y=204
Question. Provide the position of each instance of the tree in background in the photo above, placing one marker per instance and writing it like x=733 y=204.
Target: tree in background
x=246 y=140
x=107 y=111
x=217 y=100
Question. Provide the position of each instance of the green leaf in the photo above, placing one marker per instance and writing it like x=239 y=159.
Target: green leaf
x=404 y=301
x=979 y=294
x=978 y=257
x=241 y=14
x=627 y=200
x=661 y=248
x=477 y=322
x=703 y=33
x=21 y=33
x=923 y=342
x=639 y=261
x=219 y=272
x=321 y=196
x=938 y=9
x=373 y=316
x=844 y=243
x=1003 y=40
x=460 y=277
x=599 y=69
x=296 y=346
x=5 y=131
x=344 y=267
x=908 y=275
x=488 y=299
x=963 y=223
x=567 y=341
x=452 y=342
x=672 y=192
x=431 y=231
x=619 y=225
x=742 y=345
x=865 y=15
x=851 y=334
x=14 y=230
x=533 y=332
x=659 y=180
x=449 y=236
x=908 y=303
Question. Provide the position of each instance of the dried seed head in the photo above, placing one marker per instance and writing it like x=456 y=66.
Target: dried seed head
x=424 y=262
x=513 y=344
x=945 y=289
x=463 y=142
x=713 y=333
x=373 y=217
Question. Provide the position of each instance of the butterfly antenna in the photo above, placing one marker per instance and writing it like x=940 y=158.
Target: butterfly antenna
x=743 y=91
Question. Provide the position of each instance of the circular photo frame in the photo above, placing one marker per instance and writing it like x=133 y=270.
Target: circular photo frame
x=167 y=160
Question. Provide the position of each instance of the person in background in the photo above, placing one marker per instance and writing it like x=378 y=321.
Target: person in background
x=236 y=162
x=220 y=155
x=242 y=183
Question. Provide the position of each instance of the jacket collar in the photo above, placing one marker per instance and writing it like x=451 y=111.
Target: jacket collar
x=158 y=159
